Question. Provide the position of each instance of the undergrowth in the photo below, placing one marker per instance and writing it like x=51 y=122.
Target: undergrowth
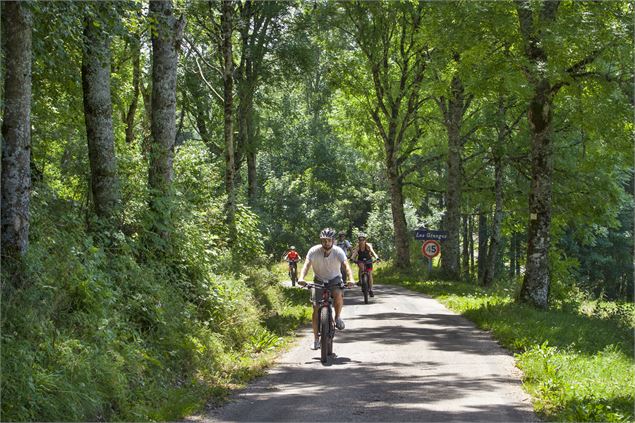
x=107 y=329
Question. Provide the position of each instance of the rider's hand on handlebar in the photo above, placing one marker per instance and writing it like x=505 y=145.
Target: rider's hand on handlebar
x=302 y=282
x=350 y=284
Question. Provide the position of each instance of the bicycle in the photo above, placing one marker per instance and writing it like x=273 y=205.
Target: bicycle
x=326 y=318
x=364 y=276
x=293 y=271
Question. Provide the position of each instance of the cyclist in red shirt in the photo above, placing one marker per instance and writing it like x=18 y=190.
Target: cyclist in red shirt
x=292 y=255
x=293 y=258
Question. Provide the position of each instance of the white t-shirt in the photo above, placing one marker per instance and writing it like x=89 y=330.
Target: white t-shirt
x=326 y=268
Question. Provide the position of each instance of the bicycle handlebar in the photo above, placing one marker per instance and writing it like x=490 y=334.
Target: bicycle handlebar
x=367 y=261
x=305 y=284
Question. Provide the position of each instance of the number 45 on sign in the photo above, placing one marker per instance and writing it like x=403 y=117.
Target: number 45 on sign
x=430 y=249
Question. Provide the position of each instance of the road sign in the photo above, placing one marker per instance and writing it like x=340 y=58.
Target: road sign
x=423 y=234
x=431 y=248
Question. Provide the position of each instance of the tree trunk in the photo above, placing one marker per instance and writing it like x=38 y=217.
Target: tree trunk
x=402 y=249
x=252 y=178
x=482 y=242
x=494 y=243
x=16 y=129
x=98 y=117
x=535 y=289
x=470 y=231
x=466 y=248
x=512 y=255
x=246 y=137
x=136 y=81
x=519 y=252
x=165 y=42
x=228 y=86
x=453 y=114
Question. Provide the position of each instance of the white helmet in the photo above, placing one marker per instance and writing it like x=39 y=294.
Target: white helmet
x=327 y=233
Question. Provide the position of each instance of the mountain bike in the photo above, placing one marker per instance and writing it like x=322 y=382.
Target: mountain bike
x=364 y=276
x=293 y=271
x=326 y=318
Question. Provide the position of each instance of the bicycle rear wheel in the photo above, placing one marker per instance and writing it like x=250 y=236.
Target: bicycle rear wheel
x=325 y=334
x=364 y=283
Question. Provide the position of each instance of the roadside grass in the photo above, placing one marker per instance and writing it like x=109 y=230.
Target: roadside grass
x=578 y=365
x=286 y=309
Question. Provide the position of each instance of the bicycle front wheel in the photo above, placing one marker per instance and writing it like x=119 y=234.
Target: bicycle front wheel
x=364 y=284
x=325 y=334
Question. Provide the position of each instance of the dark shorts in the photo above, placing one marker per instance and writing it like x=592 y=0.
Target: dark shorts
x=335 y=285
x=369 y=264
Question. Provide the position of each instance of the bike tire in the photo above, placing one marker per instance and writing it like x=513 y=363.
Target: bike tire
x=294 y=277
x=325 y=335
x=365 y=287
x=331 y=333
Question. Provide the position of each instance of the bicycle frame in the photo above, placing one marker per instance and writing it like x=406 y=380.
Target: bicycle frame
x=293 y=270
x=326 y=319
x=364 y=276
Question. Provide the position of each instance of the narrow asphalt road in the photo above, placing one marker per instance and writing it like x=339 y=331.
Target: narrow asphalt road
x=403 y=357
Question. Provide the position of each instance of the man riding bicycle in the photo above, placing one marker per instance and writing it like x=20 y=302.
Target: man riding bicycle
x=326 y=260
x=363 y=251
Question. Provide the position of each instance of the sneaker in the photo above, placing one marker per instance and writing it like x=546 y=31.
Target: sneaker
x=371 y=293
x=316 y=344
x=339 y=323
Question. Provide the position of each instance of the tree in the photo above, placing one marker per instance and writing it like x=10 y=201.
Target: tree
x=166 y=37
x=16 y=129
x=257 y=27
x=98 y=113
x=390 y=38
x=227 y=12
x=453 y=109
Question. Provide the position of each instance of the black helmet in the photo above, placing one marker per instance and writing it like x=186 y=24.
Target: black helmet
x=327 y=233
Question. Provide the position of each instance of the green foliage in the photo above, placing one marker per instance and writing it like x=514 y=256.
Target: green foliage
x=114 y=333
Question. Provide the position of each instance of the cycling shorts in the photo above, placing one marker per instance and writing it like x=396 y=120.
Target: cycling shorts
x=335 y=284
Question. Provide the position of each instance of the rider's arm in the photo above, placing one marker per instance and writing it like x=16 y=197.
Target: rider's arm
x=349 y=271
x=305 y=269
x=353 y=255
x=372 y=252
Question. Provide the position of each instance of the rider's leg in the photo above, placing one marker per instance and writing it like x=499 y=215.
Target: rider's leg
x=338 y=302
x=315 y=321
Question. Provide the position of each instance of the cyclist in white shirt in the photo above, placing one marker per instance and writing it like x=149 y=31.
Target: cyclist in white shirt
x=326 y=260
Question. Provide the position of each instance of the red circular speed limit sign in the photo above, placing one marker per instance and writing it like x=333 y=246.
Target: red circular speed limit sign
x=431 y=248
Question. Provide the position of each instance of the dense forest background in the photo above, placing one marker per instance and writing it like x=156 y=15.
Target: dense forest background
x=158 y=157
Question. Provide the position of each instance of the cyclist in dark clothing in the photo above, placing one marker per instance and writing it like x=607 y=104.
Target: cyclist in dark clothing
x=364 y=251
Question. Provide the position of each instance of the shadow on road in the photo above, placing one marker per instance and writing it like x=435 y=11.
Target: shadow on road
x=378 y=394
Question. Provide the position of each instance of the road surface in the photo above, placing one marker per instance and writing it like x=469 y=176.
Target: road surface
x=403 y=357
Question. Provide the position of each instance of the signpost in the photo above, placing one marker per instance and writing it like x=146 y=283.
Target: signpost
x=431 y=246
x=430 y=249
x=424 y=234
